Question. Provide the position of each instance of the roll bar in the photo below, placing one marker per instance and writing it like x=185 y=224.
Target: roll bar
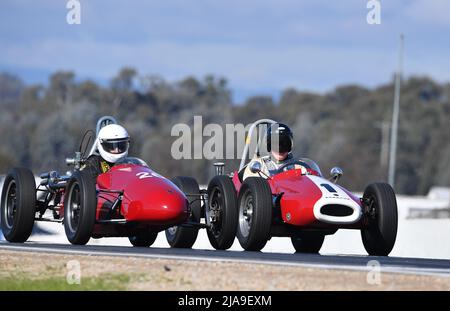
x=102 y=122
x=248 y=140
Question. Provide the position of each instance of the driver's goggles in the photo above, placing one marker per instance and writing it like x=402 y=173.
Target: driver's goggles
x=115 y=146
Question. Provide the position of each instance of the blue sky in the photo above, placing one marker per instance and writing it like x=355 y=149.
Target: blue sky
x=260 y=46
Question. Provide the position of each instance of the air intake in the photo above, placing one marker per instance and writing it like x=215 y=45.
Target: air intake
x=336 y=210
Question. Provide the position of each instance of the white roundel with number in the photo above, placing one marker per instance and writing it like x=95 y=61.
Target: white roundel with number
x=332 y=194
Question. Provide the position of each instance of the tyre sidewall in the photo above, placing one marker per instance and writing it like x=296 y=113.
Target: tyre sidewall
x=26 y=205
x=259 y=232
x=88 y=205
x=379 y=238
x=227 y=234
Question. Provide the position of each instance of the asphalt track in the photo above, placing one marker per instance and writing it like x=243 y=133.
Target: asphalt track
x=418 y=266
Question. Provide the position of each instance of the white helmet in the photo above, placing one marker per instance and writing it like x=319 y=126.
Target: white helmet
x=113 y=142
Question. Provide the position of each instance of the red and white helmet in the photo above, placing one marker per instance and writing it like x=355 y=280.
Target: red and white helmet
x=113 y=142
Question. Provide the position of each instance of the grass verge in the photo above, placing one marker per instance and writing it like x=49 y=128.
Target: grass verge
x=104 y=282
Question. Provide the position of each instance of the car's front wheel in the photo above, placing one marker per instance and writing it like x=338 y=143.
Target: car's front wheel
x=255 y=213
x=380 y=232
x=80 y=204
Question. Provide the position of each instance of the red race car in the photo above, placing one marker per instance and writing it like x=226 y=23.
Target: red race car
x=130 y=200
x=292 y=202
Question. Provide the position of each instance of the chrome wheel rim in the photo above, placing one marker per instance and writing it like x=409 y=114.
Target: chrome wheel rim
x=74 y=207
x=215 y=211
x=246 y=209
x=10 y=204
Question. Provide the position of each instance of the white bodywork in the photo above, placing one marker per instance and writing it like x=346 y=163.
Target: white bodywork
x=338 y=197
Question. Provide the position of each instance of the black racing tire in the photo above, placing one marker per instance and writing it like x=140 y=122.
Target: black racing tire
x=185 y=237
x=18 y=206
x=255 y=213
x=308 y=242
x=222 y=202
x=382 y=220
x=80 y=205
x=143 y=239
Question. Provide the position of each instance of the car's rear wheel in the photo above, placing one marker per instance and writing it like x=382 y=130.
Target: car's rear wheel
x=18 y=206
x=80 y=204
x=185 y=237
x=222 y=212
x=143 y=238
x=255 y=213
x=382 y=220
x=307 y=242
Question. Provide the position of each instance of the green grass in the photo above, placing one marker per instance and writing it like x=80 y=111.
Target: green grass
x=102 y=282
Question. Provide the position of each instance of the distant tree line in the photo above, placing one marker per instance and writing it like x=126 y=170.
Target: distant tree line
x=40 y=125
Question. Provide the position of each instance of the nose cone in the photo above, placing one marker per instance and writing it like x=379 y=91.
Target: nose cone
x=155 y=200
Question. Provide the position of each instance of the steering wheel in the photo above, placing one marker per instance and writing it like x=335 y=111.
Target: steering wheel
x=293 y=163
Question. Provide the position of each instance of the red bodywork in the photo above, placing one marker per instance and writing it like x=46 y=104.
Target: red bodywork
x=148 y=201
x=297 y=196
x=147 y=196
